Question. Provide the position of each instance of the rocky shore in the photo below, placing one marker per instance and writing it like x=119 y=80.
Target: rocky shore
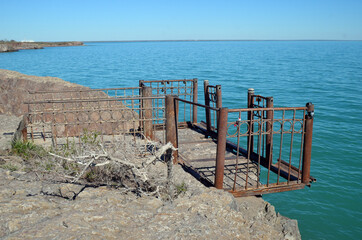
x=36 y=205
x=12 y=46
x=32 y=208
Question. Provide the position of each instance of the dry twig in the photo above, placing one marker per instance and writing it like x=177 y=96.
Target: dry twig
x=125 y=161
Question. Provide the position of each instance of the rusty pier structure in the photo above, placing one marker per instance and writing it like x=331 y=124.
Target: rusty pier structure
x=252 y=150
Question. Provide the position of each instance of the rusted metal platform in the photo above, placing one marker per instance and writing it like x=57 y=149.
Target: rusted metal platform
x=198 y=152
x=246 y=151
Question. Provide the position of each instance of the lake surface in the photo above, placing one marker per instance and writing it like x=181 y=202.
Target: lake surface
x=329 y=74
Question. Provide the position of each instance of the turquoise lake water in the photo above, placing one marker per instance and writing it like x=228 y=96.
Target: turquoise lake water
x=329 y=74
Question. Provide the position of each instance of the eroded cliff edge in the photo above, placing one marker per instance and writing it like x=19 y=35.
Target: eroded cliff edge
x=35 y=205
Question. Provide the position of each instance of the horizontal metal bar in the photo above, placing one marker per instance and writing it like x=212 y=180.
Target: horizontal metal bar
x=266 y=109
x=97 y=110
x=259 y=96
x=207 y=140
x=84 y=90
x=89 y=122
x=74 y=99
x=275 y=120
x=232 y=158
x=261 y=134
x=273 y=188
x=158 y=81
x=173 y=87
x=94 y=100
x=197 y=104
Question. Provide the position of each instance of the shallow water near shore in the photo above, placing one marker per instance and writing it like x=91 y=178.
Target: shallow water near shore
x=329 y=74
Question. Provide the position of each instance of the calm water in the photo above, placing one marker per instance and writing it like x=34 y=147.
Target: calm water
x=329 y=74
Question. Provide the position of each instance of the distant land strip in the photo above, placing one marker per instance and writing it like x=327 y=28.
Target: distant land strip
x=13 y=46
x=225 y=40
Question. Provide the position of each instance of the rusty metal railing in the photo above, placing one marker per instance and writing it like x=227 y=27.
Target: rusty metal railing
x=289 y=132
x=85 y=93
x=172 y=119
x=108 y=116
x=258 y=101
x=185 y=89
x=256 y=136
x=271 y=143
x=67 y=112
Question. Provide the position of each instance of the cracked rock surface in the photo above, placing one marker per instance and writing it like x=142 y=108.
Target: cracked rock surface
x=34 y=209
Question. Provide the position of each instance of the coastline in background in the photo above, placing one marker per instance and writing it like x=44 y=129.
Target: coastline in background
x=13 y=46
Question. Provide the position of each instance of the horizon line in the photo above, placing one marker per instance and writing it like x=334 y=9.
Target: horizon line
x=220 y=40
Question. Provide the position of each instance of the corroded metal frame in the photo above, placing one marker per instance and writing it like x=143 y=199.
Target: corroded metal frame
x=297 y=177
x=186 y=89
x=108 y=116
x=259 y=130
x=213 y=98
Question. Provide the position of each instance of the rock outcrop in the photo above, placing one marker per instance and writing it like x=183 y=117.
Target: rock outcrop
x=15 y=46
x=34 y=209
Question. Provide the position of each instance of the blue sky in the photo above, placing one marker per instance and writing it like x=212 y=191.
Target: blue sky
x=93 y=20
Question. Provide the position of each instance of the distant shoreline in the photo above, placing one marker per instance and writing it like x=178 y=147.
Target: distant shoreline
x=13 y=46
x=226 y=40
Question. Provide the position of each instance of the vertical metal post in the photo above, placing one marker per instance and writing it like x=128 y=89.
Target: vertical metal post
x=194 y=108
x=171 y=124
x=177 y=103
x=218 y=100
x=307 y=147
x=250 y=140
x=24 y=127
x=147 y=112
x=221 y=147
x=269 y=130
x=207 y=103
x=141 y=104
x=218 y=96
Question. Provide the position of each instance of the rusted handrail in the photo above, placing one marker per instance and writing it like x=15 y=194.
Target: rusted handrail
x=85 y=90
x=296 y=176
x=266 y=109
x=160 y=81
x=85 y=93
x=67 y=118
x=183 y=88
x=93 y=100
x=197 y=104
x=267 y=120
